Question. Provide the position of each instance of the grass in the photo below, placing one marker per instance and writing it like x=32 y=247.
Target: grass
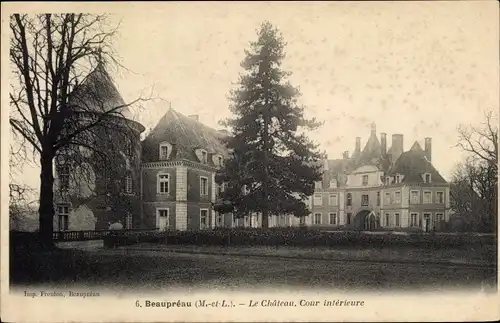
x=485 y=255
x=160 y=271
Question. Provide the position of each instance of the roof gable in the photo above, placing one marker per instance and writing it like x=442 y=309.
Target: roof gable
x=413 y=164
x=185 y=135
x=416 y=147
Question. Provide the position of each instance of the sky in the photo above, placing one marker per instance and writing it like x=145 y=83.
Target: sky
x=415 y=68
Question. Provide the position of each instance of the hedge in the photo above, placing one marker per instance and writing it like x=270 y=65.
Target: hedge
x=303 y=238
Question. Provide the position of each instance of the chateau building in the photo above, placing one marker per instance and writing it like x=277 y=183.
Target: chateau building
x=381 y=188
x=168 y=181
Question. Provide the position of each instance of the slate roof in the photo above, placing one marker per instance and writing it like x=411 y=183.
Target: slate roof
x=372 y=149
x=185 y=134
x=413 y=164
x=416 y=147
x=97 y=93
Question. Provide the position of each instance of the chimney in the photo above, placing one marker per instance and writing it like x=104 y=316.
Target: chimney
x=374 y=129
x=195 y=117
x=358 y=144
x=428 y=148
x=345 y=155
x=383 y=143
x=397 y=146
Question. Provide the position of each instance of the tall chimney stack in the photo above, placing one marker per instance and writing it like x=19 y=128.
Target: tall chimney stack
x=383 y=143
x=397 y=146
x=358 y=144
x=428 y=148
x=374 y=129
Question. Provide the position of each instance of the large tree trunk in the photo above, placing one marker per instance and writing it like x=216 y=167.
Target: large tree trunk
x=46 y=210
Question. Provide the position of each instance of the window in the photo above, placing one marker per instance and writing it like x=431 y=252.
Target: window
x=333 y=183
x=387 y=217
x=397 y=179
x=397 y=197
x=439 y=218
x=439 y=197
x=387 y=198
x=63 y=217
x=204 y=219
x=427 y=178
x=397 y=218
x=203 y=185
x=128 y=183
x=413 y=219
x=333 y=199
x=349 y=199
x=204 y=156
x=365 y=180
x=318 y=185
x=378 y=198
x=302 y=220
x=333 y=218
x=318 y=199
x=165 y=150
x=218 y=219
x=427 y=197
x=364 y=200
x=348 y=220
x=219 y=161
x=128 y=221
x=128 y=147
x=415 y=197
x=282 y=220
x=387 y=180
x=317 y=218
x=64 y=177
x=220 y=189
x=163 y=183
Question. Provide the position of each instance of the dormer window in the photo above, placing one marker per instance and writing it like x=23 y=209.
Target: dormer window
x=365 y=180
x=388 y=180
x=318 y=185
x=218 y=160
x=202 y=155
x=427 y=178
x=165 y=150
x=397 y=179
x=333 y=183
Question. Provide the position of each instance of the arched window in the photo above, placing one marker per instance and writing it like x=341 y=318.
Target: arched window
x=128 y=183
x=349 y=199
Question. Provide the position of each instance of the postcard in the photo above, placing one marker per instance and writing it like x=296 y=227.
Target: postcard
x=250 y=161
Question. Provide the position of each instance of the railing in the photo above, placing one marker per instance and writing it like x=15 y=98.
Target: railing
x=96 y=234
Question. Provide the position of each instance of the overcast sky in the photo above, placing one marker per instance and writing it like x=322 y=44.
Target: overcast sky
x=415 y=68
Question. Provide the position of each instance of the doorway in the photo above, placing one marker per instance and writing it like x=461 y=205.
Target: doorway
x=427 y=222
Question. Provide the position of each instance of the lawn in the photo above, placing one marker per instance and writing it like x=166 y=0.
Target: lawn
x=485 y=255
x=124 y=270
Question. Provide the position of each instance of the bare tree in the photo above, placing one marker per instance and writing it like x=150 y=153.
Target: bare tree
x=479 y=173
x=51 y=56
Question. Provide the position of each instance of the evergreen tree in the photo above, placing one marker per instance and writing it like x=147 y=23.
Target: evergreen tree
x=273 y=165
